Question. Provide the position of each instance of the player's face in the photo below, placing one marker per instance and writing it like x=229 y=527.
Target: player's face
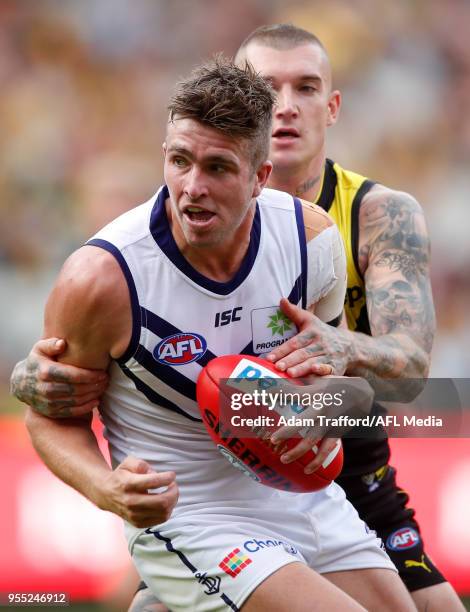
x=306 y=106
x=212 y=184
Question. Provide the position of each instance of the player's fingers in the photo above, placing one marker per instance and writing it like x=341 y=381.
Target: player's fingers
x=162 y=502
x=296 y=350
x=317 y=365
x=324 y=448
x=83 y=409
x=169 y=495
x=322 y=369
x=300 y=449
x=80 y=393
x=144 y=483
x=65 y=409
x=284 y=433
x=297 y=315
x=135 y=465
x=54 y=409
x=52 y=371
x=286 y=348
x=154 y=509
x=51 y=347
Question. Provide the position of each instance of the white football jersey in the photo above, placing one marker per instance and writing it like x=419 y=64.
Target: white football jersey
x=181 y=320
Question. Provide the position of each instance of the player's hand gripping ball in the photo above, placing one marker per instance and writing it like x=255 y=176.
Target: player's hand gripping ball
x=256 y=456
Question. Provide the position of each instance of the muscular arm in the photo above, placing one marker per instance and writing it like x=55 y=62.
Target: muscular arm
x=89 y=306
x=74 y=311
x=394 y=258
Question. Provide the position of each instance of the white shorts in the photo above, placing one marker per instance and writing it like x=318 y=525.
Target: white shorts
x=211 y=559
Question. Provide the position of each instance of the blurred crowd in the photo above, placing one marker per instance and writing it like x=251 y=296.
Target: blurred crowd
x=84 y=87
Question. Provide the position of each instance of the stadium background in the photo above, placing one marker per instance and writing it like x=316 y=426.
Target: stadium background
x=82 y=113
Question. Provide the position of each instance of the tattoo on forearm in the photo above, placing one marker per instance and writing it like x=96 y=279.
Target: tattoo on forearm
x=389 y=361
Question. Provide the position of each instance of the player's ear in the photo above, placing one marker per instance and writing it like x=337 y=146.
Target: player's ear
x=334 y=105
x=164 y=149
x=262 y=175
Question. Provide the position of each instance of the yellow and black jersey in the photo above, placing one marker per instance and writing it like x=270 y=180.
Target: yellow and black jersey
x=340 y=195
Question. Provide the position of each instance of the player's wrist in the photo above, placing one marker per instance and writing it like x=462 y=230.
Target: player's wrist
x=99 y=489
x=350 y=350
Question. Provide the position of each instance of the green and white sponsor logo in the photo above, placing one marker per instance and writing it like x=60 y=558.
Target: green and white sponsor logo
x=270 y=328
x=279 y=323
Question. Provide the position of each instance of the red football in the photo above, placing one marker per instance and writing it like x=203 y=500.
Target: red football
x=253 y=455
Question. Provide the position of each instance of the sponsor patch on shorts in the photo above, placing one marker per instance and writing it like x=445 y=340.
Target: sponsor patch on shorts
x=234 y=563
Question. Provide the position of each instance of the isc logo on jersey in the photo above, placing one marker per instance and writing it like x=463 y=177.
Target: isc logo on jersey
x=180 y=349
x=403 y=538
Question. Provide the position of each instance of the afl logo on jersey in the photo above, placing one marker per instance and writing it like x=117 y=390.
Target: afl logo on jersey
x=180 y=349
x=402 y=539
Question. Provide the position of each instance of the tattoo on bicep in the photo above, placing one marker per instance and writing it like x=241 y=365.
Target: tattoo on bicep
x=399 y=262
x=401 y=299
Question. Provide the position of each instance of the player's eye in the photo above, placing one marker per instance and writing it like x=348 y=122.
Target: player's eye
x=218 y=168
x=180 y=162
x=308 y=89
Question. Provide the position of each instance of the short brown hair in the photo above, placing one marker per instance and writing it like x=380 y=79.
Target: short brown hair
x=280 y=36
x=234 y=100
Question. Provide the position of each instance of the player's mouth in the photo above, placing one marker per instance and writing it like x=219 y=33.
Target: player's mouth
x=285 y=135
x=198 y=217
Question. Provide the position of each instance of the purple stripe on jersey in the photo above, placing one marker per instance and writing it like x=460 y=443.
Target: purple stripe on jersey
x=296 y=294
x=299 y=217
x=153 y=396
x=160 y=229
x=167 y=374
x=136 y=315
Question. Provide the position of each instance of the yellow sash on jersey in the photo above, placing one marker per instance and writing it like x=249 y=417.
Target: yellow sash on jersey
x=340 y=195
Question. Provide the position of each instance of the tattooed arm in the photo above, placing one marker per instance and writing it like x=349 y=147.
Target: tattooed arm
x=394 y=259
x=56 y=389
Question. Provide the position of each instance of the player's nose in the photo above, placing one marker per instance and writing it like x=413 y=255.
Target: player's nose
x=195 y=185
x=285 y=104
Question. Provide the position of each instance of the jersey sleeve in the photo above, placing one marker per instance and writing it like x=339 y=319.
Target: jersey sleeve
x=326 y=277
